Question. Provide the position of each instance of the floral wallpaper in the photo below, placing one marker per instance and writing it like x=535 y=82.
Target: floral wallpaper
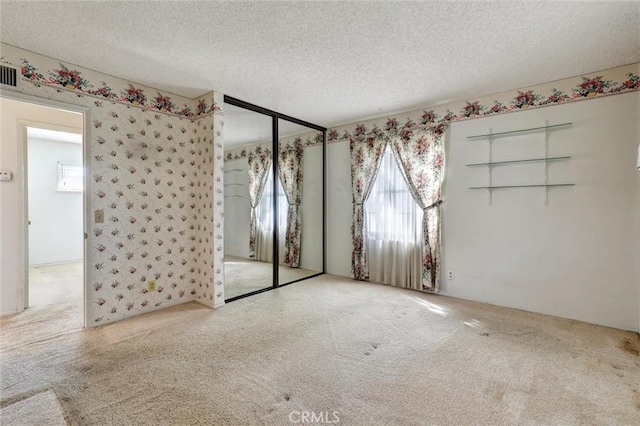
x=143 y=180
x=218 y=200
x=615 y=81
x=154 y=170
x=202 y=217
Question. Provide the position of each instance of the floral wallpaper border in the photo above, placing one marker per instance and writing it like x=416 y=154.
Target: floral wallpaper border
x=68 y=78
x=615 y=81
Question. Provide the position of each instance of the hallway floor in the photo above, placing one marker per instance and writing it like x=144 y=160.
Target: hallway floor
x=54 y=284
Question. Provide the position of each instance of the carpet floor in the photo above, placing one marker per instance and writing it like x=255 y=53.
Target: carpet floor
x=54 y=284
x=343 y=351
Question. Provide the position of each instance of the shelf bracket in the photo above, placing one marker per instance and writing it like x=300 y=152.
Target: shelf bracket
x=490 y=139
x=546 y=163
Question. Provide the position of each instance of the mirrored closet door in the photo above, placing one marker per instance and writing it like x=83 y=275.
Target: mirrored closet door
x=300 y=213
x=274 y=199
x=248 y=225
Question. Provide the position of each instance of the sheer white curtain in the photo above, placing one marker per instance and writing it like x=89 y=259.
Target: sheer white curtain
x=264 y=213
x=394 y=234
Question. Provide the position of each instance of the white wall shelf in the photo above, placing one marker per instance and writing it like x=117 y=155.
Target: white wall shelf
x=541 y=185
x=528 y=160
x=490 y=164
x=513 y=132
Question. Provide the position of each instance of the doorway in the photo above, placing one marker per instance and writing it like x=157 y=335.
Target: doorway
x=55 y=211
x=42 y=266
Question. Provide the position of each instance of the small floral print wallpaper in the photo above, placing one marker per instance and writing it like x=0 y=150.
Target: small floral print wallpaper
x=218 y=200
x=152 y=171
x=202 y=217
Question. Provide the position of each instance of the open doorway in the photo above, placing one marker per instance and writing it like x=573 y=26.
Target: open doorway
x=55 y=211
x=43 y=247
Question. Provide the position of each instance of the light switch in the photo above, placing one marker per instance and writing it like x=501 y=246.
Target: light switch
x=99 y=217
x=5 y=175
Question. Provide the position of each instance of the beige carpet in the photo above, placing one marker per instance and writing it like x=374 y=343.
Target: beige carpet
x=242 y=276
x=375 y=355
x=41 y=409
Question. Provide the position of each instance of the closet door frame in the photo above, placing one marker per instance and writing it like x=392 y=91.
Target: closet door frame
x=275 y=116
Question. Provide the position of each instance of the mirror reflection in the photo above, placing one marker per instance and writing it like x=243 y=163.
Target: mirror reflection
x=300 y=203
x=273 y=202
x=248 y=259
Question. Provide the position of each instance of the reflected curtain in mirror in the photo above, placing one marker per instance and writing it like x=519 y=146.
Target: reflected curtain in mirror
x=290 y=171
x=259 y=163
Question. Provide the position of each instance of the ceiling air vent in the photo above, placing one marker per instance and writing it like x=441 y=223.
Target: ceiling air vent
x=8 y=76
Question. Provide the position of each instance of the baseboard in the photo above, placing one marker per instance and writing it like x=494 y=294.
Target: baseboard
x=6 y=314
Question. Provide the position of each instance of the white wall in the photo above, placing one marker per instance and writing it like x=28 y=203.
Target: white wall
x=311 y=210
x=339 y=209
x=237 y=210
x=55 y=233
x=575 y=258
x=12 y=246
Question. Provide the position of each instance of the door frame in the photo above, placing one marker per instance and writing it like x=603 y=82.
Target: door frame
x=23 y=206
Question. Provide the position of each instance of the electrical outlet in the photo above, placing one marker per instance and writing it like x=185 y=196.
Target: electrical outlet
x=450 y=275
x=151 y=285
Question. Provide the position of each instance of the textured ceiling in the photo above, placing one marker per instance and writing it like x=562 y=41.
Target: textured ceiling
x=331 y=63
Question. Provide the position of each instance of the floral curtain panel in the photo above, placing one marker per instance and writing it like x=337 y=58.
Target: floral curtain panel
x=421 y=159
x=366 y=155
x=259 y=163
x=290 y=172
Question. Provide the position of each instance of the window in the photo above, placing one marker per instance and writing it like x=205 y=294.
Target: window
x=394 y=228
x=264 y=213
x=391 y=212
x=265 y=206
x=70 y=177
